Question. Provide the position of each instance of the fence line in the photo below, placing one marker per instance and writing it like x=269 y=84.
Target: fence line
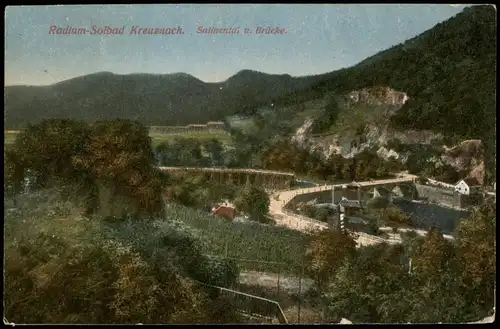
x=303 y=218
x=264 y=307
x=247 y=260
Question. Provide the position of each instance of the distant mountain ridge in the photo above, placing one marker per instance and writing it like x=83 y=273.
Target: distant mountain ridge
x=154 y=99
x=448 y=73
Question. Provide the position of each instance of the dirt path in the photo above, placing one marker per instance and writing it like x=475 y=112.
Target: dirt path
x=270 y=280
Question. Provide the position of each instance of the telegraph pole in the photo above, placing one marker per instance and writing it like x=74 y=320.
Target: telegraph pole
x=300 y=289
x=341 y=219
x=279 y=270
x=333 y=194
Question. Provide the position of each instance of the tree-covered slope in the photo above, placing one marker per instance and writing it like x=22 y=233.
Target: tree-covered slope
x=448 y=73
x=169 y=99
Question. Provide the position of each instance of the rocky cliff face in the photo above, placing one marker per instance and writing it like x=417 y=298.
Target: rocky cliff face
x=467 y=156
x=378 y=96
x=302 y=135
x=378 y=134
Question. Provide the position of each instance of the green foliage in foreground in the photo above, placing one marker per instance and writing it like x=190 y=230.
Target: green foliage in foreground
x=107 y=159
x=129 y=271
x=246 y=240
x=448 y=282
x=64 y=268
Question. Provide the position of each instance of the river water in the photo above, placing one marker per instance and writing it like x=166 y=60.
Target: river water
x=426 y=216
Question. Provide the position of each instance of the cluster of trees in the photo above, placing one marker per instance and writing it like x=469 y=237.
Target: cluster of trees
x=115 y=167
x=366 y=164
x=200 y=192
x=327 y=117
x=191 y=152
x=253 y=201
x=250 y=151
x=112 y=267
x=268 y=149
x=393 y=217
x=423 y=280
x=107 y=272
x=311 y=211
x=422 y=161
x=112 y=162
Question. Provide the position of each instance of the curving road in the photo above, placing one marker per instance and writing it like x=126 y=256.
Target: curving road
x=229 y=170
x=301 y=223
x=280 y=199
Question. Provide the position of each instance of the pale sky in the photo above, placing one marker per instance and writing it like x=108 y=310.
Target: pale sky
x=320 y=38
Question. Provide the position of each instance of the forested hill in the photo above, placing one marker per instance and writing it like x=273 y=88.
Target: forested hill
x=448 y=73
x=168 y=99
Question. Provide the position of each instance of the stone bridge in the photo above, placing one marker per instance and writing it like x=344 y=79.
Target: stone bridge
x=405 y=189
x=283 y=182
x=363 y=191
x=273 y=180
x=298 y=222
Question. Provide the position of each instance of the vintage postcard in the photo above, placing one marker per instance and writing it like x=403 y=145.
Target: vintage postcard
x=251 y=163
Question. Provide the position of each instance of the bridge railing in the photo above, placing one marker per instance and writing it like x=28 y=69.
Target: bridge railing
x=316 y=224
x=321 y=188
x=293 y=193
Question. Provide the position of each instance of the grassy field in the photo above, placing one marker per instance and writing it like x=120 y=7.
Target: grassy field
x=247 y=241
x=10 y=136
x=241 y=241
x=158 y=139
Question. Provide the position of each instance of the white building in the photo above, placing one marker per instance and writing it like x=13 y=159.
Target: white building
x=465 y=186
